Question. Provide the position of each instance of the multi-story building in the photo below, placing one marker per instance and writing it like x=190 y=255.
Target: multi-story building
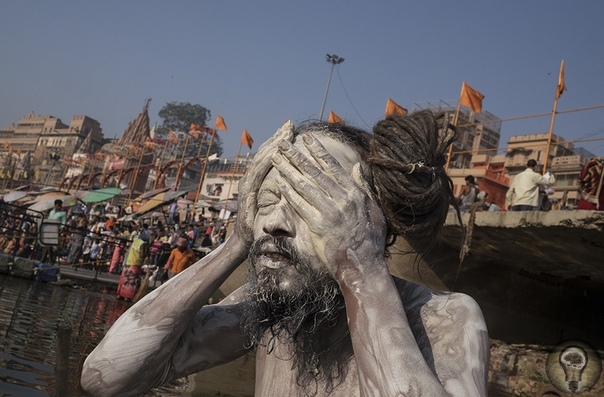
x=479 y=133
x=45 y=140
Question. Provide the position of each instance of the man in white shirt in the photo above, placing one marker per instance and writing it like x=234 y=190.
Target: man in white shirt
x=523 y=194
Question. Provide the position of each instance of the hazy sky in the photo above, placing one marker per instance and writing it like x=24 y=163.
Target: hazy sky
x=259 y=63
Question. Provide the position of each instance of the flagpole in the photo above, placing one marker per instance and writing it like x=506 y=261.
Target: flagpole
x=232 y=176
x=560 y=87
x=159 y=159
x=135 y=176
x=455 y=121
x=203 y=169
x=181 y=164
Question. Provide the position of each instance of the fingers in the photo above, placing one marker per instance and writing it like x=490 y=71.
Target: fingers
x=323 y=170
x=295 y=180
x=305 y=210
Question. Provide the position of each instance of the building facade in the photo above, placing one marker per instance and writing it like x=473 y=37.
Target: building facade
x=45 y=141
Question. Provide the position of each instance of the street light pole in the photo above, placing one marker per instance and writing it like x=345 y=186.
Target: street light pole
x=334 y=60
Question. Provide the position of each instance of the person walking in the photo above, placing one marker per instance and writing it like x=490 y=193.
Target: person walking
x=523 y=194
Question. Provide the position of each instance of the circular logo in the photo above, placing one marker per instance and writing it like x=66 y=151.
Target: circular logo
x=573 y=367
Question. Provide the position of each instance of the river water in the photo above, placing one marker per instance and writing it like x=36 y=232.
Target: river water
x=31 y=314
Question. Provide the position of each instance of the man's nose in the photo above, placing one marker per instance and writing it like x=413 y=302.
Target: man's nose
x=279 y=223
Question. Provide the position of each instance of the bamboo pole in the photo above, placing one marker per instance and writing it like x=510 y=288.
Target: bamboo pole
x=181 y=164
x=455 y=121
x=203 y=169
x=135 y=176
x=226 y=202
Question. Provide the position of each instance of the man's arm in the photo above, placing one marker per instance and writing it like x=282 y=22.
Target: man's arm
x=348 y=232
x=135 y=354
x=167 y=325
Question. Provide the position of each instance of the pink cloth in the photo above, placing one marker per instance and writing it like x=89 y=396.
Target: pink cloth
x=130 y=281
x=116 y=259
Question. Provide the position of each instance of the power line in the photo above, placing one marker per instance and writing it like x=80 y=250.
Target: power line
x=350 y=101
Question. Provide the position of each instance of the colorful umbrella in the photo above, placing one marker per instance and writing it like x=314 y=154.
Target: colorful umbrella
x=100 y=195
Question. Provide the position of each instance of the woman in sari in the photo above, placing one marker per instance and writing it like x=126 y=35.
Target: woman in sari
x=131 y=277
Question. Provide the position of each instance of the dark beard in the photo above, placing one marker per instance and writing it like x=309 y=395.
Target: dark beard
x=304 y=316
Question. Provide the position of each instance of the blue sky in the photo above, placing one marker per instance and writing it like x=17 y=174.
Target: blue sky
x=258 y=63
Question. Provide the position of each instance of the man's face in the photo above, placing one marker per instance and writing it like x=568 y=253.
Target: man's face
x=283 y=251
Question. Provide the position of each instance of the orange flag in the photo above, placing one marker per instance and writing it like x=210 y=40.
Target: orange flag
x=196 y=127
x=6 y=144
x=220 y=125
x=195 y=134
x=561 y=85
x=246 y=139
x=471 y=98
x=394 y=108
x=335 y=119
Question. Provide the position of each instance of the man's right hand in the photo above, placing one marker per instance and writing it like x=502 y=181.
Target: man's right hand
x=251 y=181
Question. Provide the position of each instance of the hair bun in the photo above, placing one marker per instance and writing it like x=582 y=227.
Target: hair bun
x=407 y=159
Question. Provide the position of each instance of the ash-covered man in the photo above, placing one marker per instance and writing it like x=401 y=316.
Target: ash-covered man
x=317 y=210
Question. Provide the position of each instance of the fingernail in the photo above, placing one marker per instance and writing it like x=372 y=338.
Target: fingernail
x=284 y=145
x=308 y=140
x=276 y=158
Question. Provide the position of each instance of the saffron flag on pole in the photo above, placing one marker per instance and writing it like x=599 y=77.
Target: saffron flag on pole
x=6 y=145
x=471 y=98
x=394 y=108
x=220 y=125
x=335 y=119
x=561 y=85
x=246 y=139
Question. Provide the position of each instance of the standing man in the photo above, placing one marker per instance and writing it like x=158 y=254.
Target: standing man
x=317 y=209
x=180 y=258
x=58 y=213
x=523 y=194
x=468 y=193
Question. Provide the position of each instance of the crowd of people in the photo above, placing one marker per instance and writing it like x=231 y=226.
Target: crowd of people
x=95 y=239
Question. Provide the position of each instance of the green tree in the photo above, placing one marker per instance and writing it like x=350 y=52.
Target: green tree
x=178 y=117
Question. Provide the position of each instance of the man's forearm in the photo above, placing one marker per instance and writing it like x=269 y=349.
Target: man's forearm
x=387 y=355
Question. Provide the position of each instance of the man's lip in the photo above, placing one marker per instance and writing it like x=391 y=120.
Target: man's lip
x=274 y=260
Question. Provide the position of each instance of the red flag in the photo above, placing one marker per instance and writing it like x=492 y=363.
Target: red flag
x=335 y=119
x=471 y=98
x=246 y=139
x=561 y=85
x=220 y=125
x=394 y=108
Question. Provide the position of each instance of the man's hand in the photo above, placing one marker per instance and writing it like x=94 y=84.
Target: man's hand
x=347 y=225
x=253 y=178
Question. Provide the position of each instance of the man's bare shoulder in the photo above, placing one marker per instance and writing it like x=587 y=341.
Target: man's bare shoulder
x=451 y=332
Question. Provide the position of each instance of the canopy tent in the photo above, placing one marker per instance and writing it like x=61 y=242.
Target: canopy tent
x=230 y=206
x=151 y=193
x=14 y=196
x=100 y=195
x=159 y=200
x=46 y=201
